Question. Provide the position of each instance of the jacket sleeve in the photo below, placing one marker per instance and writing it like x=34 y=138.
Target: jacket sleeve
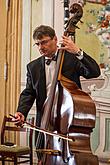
x=27 y=96
x=88 y=67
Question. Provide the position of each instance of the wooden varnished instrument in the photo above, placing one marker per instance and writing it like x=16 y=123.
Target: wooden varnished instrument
x=76 y=123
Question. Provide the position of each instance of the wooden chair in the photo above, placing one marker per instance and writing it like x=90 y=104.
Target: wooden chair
x=9 y=150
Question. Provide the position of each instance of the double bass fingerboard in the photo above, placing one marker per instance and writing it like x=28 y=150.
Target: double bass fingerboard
x=66 y=12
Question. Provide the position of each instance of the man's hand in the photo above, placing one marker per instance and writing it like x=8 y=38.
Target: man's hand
x=69 y=45
x=18 y=119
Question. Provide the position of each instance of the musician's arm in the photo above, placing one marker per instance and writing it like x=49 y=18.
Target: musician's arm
x=27 y=97
x=88 y=67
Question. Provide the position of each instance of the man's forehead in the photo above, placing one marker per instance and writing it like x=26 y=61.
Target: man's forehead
x=43 y=37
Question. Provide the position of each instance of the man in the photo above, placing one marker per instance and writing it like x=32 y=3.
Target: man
x=40 y=73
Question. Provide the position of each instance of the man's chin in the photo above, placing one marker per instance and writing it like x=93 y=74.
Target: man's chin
x=43 y=54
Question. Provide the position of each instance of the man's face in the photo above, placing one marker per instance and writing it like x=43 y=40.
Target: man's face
x=47 y=46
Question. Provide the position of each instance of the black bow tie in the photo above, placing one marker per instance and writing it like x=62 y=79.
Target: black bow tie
x=48 y=61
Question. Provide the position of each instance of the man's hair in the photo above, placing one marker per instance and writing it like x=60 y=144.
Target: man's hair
x=42 y=31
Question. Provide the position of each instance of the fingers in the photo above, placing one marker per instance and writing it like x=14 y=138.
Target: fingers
x=18 y=118
x=65 y=40
x=69 y=45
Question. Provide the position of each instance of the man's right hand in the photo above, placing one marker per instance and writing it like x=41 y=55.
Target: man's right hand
x=19 y=118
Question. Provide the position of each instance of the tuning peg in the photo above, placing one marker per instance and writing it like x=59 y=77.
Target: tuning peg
x=81 y=21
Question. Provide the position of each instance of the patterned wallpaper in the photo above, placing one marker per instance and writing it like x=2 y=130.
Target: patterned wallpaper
x=90 y=35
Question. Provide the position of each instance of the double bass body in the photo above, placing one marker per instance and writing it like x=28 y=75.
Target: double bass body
x=76 y=121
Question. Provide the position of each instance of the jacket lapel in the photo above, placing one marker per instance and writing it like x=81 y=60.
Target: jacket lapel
x=42 y=83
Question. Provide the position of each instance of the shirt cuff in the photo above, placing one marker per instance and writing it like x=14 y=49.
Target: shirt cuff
x=80 y=54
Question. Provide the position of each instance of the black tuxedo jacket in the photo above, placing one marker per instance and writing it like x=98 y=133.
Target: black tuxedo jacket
x=35 y=89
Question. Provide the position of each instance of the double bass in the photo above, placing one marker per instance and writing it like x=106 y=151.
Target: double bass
x=76 y=122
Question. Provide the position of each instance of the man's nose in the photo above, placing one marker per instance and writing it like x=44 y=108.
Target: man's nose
x=40 y=45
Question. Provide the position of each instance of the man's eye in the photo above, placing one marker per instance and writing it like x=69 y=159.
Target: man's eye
x=37 y=44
